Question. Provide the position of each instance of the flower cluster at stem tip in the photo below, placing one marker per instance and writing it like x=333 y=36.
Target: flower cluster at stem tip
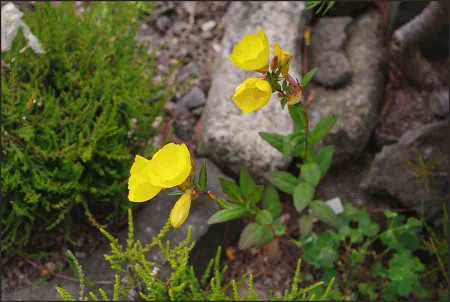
x=169 y=167
x=252 y=52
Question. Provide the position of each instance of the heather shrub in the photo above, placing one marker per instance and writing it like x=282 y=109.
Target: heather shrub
x=73 y=116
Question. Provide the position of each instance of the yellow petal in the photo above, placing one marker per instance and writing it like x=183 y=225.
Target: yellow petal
x=139 y=186
x=170 y=166
x=251 y=52
x=252 y=94
x=180 y=210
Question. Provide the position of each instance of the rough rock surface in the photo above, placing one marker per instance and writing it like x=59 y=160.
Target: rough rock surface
x=357 y=102
x=327 y=51
x=147 y=223
x=230 y=137
x=390 y=172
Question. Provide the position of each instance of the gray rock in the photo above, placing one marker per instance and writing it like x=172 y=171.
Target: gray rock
x=356 y=103
x=184 y=128
x=163 y=23
x=327 y=51
x=195 y=98
x=439 y=103
x=147 y=223
x=392 y=169
x=229 y=136
x=333 y=69
x=329 y=33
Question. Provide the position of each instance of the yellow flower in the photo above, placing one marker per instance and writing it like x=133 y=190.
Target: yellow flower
x=252 y=94
x=169 y=167
x=180 y=210
x=252 y=52
x=284 y=59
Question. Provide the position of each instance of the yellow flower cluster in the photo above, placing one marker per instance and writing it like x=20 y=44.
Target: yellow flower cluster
x=252 y=52
x=169 y=167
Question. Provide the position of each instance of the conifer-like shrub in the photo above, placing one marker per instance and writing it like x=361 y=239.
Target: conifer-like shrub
x=73 y=117
x=138 y=278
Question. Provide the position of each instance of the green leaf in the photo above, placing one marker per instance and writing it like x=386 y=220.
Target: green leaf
x=202 y=177
x=227 y=205
x=322 y=128
x=255 y=235
x=229 y=214
x=324 y=158
x=278 y=227
x=275 y=140
x=284 y=181
x=297 y=113
x=271 y=201
x=283 y=102
x=256 y=195
x=246 y=183
x=324 y=213
x=292 y=142
x=231 y=189
x=264 y=217
x=307 y=78
x=306 y=224
x=310 y=173
x=303 y=194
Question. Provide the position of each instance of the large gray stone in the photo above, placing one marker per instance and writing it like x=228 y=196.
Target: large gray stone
x=147 y=223
x=327 y=51
x=356 y=103
x=391 y=171
x=230 y=137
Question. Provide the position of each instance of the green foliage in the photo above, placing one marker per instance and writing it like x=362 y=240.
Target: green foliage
x=73 y=117
x=302 y=144
x=141 y=279
x=321 y=5
x=353 y=251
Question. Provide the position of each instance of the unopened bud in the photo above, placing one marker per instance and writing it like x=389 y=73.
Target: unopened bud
x=180 y=210
x=274 y=63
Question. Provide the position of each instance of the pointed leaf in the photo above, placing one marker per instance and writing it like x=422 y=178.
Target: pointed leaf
x=275 y=140
x=303 y=194
x=322 y=128
x=246 y=183
x=271 y=201
x=324 y=213
x=307 y=78
x=310 y=172
x=231 y=189
x=297 y=113
x=284 y=181
x=256 y=195
x=229 y=214
x=324 y=158
x=264 y=217
x=255 y=235
x=202 y=177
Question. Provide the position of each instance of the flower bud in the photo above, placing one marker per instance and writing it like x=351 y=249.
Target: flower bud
x=274 y=63
x=180 y=210
x=284 y=59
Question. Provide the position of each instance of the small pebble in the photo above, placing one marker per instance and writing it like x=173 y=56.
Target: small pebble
x=163 y=23
x=208 y=26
